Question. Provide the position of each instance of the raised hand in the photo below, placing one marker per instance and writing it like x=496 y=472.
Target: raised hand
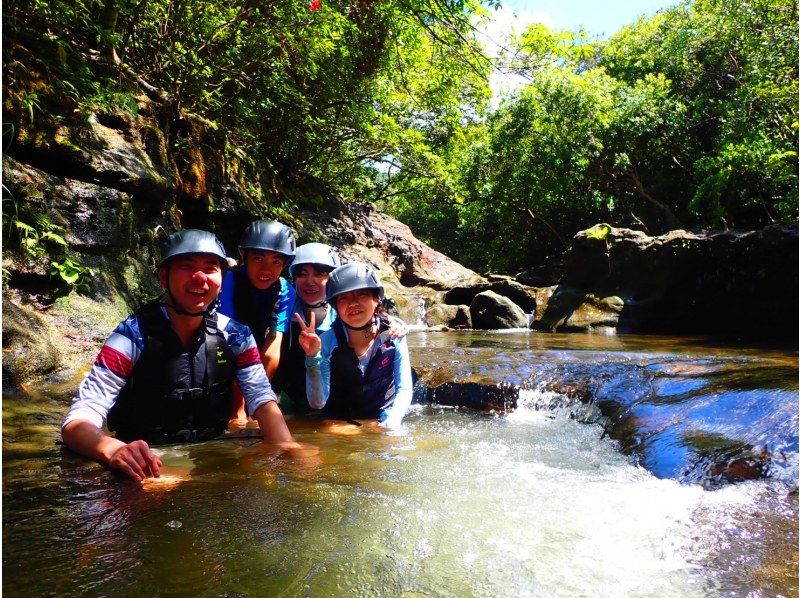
x=309 y=339
x=397 y=328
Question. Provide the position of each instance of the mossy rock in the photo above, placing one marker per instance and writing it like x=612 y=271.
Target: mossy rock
x=28 y=351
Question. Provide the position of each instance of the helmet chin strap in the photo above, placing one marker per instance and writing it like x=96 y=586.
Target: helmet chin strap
x=317 y=305
x=372 y=321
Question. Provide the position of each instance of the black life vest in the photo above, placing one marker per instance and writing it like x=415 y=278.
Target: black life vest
x=175 y=394
x=353 y=395
x=291 y=375
x=250 y=311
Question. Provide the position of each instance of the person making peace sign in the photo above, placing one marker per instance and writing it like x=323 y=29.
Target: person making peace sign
x=357 y=370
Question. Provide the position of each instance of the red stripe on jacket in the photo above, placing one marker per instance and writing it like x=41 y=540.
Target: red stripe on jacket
x=248 y=357
x=118 y=363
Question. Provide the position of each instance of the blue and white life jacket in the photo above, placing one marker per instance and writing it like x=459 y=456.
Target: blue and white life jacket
x=356 y=395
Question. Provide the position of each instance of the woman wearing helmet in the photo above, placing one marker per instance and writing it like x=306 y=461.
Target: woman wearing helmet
x=256 y=295
x=313 y=263
x=357 y=370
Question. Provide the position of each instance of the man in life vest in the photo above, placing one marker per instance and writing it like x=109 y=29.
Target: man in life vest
x=165 y=374
x=256 y=294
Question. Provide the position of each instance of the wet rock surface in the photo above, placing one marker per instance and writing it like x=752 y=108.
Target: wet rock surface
x=712 y=415
x=452 y=316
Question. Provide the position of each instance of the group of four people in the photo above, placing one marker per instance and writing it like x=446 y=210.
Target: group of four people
x=221 y=340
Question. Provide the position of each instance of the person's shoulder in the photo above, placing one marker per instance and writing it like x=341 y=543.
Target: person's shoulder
x=236 y=333
x=228 y=281
x=133 y=324
x=287 y=288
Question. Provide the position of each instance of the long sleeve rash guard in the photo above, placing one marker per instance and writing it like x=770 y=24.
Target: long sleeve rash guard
x=99 y=390
x=318 y=377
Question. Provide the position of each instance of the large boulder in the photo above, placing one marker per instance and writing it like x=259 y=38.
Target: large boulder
x=567 y=310
x=731 y=282
x=523 y=296
x=363 y=233
x=491 y=311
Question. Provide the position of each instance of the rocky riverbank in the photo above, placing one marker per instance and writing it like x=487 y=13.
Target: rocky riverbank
x=88 y=199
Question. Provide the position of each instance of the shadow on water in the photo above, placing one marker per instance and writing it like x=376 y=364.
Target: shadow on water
x=523 y=501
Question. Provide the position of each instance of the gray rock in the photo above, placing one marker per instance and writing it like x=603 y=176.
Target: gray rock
x=523 y=296
x=491 y=311
x=93 y=218
x=568 y=310
x=452 y=316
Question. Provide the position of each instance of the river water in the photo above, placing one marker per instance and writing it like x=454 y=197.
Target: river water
x=532 y=501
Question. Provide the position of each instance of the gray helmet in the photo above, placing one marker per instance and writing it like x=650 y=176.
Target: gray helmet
x=352 y=277
x=317 y=254
x=189 y=241
x=269 y=235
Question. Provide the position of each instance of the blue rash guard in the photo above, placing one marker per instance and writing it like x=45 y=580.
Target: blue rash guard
x=265 y=312
x=318 y=375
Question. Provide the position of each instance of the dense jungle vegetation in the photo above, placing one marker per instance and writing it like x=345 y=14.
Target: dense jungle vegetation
x=685 y=119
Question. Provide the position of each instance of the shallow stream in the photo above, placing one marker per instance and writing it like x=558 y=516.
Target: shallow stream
x=532 y=501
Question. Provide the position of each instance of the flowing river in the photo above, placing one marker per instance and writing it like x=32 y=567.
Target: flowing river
x=607 y=466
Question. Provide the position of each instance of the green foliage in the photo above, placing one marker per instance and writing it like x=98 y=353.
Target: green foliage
x=33 y=238
x=688 y=118
x=685 y=119
x=73 y=274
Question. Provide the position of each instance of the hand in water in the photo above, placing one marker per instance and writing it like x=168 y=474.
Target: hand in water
x=351 y=428
x=308 y=339
x=294 y=450
x=136 y=461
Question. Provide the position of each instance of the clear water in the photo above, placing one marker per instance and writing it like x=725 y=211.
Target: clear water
x=458 y=503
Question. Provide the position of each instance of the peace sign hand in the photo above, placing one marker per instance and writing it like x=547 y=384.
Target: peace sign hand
x=308 y=339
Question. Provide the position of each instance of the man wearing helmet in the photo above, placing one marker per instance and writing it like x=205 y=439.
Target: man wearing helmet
x=256 y=295
x=165 y=374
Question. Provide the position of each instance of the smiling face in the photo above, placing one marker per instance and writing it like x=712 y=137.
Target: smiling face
x=263 y=267
x=310 y=282
x=193 y=280
x=357 y=307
